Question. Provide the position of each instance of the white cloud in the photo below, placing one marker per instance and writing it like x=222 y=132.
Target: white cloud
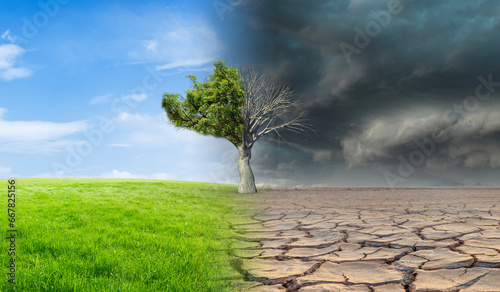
x=136 y=97
x=16 y=73
x=37 y=136
x=186 y=62
x=165 y=37
x=38 y=130
x=8 y=57
x=151 y=45
x=5 y=170
x=175 y=40
x=8 y=36
x=100 y=99
x=135 y=118
x=139 y=97
x=127 y=175
x=118 y=174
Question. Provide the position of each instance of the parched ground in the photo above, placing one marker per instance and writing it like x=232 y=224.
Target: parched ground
x=371 y=239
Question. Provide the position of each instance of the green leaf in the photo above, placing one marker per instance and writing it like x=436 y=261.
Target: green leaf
x=212 y=107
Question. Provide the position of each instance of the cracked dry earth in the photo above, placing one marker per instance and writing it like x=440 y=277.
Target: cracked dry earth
x=371 y=239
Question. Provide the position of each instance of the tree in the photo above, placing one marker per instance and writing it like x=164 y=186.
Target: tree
x=241 y=105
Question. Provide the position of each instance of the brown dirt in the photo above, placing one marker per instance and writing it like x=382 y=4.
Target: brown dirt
x=371 y=239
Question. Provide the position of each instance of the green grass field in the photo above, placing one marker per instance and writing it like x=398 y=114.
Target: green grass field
x=120 y=235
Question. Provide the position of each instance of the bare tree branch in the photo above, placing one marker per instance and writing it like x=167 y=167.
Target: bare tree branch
x=270 y=106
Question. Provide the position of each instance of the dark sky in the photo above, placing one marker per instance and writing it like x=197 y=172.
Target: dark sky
x=399 y=92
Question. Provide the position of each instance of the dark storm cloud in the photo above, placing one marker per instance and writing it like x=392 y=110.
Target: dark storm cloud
x=429 y=139
x=367 y=103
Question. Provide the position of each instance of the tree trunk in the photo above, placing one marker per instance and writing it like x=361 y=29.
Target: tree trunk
x=247 y=180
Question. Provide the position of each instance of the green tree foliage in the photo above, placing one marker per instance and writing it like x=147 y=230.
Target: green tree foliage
x=212 y=107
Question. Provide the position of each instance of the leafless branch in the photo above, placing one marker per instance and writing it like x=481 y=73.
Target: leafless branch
x=270 y=106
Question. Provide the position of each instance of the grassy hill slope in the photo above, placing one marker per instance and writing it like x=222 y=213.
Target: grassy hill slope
x=120 y=235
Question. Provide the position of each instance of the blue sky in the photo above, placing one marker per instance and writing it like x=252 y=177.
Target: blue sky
x=81 y=84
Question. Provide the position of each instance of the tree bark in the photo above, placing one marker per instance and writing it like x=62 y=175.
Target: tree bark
x=247 y=180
